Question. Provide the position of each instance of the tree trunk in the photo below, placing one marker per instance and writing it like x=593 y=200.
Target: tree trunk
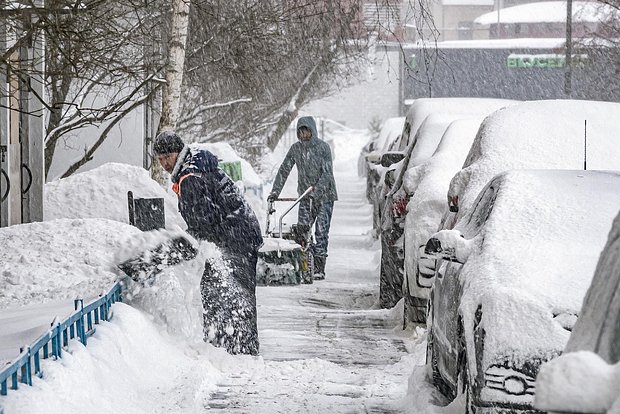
x=171 y=95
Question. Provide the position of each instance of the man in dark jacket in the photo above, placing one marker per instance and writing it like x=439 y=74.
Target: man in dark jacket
x=216 y=211
x=313 y=158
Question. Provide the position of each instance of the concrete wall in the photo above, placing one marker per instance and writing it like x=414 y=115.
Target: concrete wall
x=493 y=73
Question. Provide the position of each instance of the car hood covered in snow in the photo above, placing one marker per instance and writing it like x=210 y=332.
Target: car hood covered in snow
x=534 y=252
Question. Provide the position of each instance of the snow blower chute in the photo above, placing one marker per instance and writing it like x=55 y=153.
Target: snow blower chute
x=285 y=258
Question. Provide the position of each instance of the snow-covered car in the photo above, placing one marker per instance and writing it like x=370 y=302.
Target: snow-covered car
x=390 y=131
x=376 y=145
x=552 y=134
x=428 y=184
x=394 y=209
x=461 y=107
x=586 y=378
x=425 y=123
x=511 y=280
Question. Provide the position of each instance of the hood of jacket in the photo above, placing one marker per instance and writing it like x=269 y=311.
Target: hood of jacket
x=309 y=122
x=193 y=160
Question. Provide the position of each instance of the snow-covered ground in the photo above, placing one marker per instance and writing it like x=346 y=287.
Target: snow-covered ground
x=324 y=347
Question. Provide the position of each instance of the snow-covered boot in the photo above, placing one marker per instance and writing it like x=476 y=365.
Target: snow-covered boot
x=319 y=267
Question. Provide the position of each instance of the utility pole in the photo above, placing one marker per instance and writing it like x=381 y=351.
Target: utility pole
x=569 y=48
x=500 y=4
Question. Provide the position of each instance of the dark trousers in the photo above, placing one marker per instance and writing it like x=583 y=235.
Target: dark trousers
x=229 y=302
x=321 y=215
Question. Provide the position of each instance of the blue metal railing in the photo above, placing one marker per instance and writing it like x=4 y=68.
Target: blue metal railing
x=79 y=324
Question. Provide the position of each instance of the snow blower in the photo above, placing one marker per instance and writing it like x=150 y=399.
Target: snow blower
x=285 y=258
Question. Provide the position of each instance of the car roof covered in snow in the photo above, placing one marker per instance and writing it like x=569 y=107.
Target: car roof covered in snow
x=421 y=108
x=390 y=129
x=535 y=238
x=549 y=134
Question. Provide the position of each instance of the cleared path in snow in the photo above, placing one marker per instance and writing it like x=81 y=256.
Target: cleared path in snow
x=325 y=347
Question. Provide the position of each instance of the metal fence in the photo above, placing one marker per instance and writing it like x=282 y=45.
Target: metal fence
x=80 y=324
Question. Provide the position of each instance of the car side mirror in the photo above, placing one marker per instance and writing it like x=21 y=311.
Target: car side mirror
x=373 y=157
x=390 y=158
x=449 y=245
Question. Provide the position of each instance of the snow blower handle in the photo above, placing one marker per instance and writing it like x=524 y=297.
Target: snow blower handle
x=296 y=201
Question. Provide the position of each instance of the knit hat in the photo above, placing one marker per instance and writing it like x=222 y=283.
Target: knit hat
x=167 y=142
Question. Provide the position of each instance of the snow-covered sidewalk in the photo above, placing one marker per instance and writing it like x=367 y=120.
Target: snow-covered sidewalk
x=325 y=347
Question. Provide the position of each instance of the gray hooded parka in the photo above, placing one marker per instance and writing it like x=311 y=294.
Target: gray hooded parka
x=314 y=165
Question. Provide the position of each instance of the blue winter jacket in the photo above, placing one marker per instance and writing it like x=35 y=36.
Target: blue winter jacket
x=212 y=205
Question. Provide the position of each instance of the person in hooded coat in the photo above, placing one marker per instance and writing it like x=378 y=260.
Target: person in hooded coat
x=216 y=211
x=313 y=158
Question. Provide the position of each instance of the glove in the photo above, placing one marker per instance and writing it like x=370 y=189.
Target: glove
x=272 y=197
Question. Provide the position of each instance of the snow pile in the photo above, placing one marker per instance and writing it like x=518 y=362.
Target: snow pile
x=532 y=261
x=581 y=379
x=128 y=366
x=579 y=382
x=102 y=193
x=601 y=307
x=60 y=259
x=428 y=184
x=77 y=256
x=538 y=135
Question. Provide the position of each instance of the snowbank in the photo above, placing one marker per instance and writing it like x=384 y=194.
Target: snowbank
x=579 y=382
x=126 y=368
x=59 y=259
x=102 y=193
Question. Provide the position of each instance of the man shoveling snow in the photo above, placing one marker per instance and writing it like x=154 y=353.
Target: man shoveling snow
x=215 y=211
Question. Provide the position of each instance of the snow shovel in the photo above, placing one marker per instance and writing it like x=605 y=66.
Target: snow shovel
x=285 y=258
x=151 y=262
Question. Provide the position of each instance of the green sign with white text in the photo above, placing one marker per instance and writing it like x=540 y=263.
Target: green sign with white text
x=543 y=61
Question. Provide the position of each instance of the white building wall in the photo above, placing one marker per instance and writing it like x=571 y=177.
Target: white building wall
x=375 y=95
